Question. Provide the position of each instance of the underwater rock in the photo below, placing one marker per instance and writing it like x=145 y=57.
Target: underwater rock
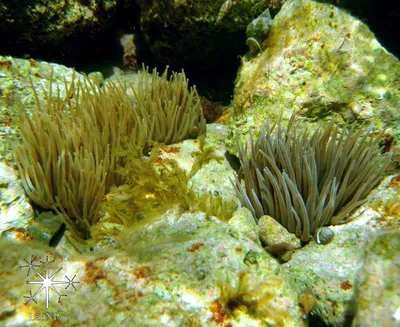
x=16 y=213
x=16 y=88
x=182 y=268
x=277 y=239
x=330 y=272
x=320 y=62
x=185 y=265
x=244 y=223
x=386 y=204
x=56 y=29
x=377 y=295
x=173 y=29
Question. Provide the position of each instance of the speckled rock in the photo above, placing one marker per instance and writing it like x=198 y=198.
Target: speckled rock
x=377 y=296
x=244 y=223
x=185 y=270
x=277 y=239
x=15 y=89
x=273 y=233
x=15 y=81
x=318 y=61
x=15 y=211
x=386 y=203
x=329 y=272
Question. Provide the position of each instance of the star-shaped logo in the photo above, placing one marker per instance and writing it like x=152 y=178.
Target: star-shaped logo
x=47 y=282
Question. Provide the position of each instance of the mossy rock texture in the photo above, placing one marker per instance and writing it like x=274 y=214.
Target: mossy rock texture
x=185 y=270
x=377 y=295
x=320 y=62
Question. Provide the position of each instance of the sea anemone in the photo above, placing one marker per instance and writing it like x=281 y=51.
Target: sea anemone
x=71 y=148
x=306 y=182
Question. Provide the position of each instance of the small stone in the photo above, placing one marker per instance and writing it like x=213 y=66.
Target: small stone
x=325 y=235
x=273 y=233
x=277 y=239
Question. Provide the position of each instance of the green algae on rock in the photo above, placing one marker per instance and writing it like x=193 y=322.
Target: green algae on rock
x=321 y=62
x=330 y=271
x=243 y=223
x=184 y=270
x=277 y=239
x=235 y=295
x=377 y=295
x=15 y=211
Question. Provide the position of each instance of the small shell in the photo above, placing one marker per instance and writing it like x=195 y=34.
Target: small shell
x=325 y=235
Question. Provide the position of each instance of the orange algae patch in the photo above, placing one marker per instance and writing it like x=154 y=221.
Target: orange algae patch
x=158 y=160
x=395 y=181
x=195 y=247
x=123 y=295
x=386 y=142
x=346 y=285
x=173 y=149
x=8 y=119
x=225 y=117
x=33 y=63
x=6 y=63
x=142 y=272
x=93 y=273
x=219 y=315
x=21 y=234
x=307 y=302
